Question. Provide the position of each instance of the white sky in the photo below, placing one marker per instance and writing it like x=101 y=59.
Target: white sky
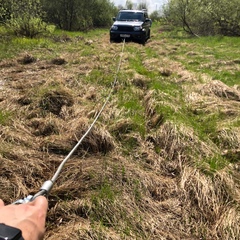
x=152 y=4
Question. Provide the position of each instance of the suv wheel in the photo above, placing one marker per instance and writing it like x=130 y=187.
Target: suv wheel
x=149 y=34
x=143 y=40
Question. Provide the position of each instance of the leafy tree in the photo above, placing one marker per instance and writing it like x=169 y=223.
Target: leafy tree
x=4 y=11
x=75 y=15
x=226 y=15
x=142 y=5
x=205 y=17
x=181 y=13
x=26 y=18
x=129 y=4
x=102 y=13
x=155 y=16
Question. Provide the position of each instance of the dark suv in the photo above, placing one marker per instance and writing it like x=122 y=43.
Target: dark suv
x=131 y=24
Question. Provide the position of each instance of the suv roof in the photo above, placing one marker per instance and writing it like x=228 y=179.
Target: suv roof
x=130 y=10
x=140 y=13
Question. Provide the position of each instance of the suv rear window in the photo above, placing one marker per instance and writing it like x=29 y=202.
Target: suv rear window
x=130 y=16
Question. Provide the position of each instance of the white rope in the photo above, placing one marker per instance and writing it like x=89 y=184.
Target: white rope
x=54 y=178
x=47 y=185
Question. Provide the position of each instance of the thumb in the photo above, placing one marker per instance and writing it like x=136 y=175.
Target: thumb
x=40 y=202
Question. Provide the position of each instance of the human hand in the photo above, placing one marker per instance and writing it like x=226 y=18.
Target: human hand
x=29 y=217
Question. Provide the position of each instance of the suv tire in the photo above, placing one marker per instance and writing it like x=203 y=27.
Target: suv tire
x=144 y=39
x=149 y=34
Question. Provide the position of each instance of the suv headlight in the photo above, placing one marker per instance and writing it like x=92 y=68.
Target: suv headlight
x=139 y=28
x=114 y=27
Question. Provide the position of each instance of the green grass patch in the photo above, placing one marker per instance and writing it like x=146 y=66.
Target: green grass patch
x=166 y=86
x=215 y=56
x=133 y=108
x=136 y=64
x=102 y=202
x=129 y=143
x=14 y=45
x=212 y=164
x=5 y=117
x=212 y=55
x=105 y=192
x=236 y=122
x=229 y=78
x=100 y=78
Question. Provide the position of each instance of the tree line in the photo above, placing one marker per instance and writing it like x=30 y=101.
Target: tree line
x=205 y=17
x=32 y=17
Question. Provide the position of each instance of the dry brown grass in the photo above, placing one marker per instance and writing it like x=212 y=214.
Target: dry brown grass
x=161 y=187
x=221 y=90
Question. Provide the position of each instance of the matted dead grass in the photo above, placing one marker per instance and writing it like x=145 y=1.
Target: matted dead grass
x=98 y=140
x=140 y=81
x=153 y=101
x=179 y=146
x=221 y=90
x=160 y=187
x=208 y=202
x=53 y=101
x=214 y=96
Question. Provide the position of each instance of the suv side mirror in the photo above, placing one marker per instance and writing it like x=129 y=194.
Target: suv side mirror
x=148 y=20
x=114 y=19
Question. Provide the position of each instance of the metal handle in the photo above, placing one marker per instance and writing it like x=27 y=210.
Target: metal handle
x=44 y=191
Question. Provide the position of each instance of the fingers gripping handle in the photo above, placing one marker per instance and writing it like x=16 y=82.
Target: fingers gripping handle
x=24 y=200
x=44 y=190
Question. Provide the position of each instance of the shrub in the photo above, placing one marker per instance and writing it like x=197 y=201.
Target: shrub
x=27 y=26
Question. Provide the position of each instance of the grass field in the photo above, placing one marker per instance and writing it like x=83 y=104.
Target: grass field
x=162 y=161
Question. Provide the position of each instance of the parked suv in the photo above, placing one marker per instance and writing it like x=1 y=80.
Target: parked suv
x=131 y=24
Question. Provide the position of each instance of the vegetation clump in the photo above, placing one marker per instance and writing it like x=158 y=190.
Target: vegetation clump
x=58 y=61
x=27 y=59
x=221 y=90
x=54 y=100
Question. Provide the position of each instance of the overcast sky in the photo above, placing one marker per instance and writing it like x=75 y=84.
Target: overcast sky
x=152 y=4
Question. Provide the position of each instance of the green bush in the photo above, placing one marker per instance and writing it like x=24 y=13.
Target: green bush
x=206 y=17
x=27 y=26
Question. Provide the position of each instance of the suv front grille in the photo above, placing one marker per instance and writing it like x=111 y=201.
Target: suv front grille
x=125 y=28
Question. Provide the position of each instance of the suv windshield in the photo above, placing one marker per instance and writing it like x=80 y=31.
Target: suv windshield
x=130 y=16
